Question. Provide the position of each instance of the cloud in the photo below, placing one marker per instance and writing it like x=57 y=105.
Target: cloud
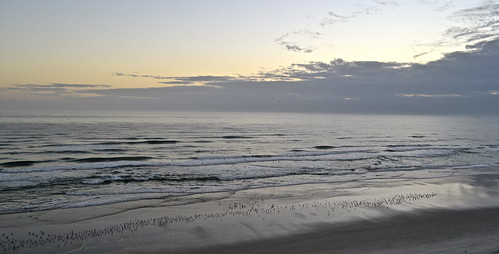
x=293 y=41
x=284 y=40
x=440 y=5
x=451 y=69
x=364 y=9
x=181 y=81
x=423 y=54
x=460 y=82
x=293 y=47
x=295 y=72
x=474 y=26
x=55 y=88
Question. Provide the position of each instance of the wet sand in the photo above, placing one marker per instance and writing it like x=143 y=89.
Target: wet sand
x=403 y=215
x=439 y=231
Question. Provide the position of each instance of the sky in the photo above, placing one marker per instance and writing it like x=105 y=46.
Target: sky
x=371 y=56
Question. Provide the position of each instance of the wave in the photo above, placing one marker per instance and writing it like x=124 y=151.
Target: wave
x=82 y=166
x=110 y=178
x=415 y=147
x=104 y=146
x=325 y=155
x=420 y=152
x=91 y=201
x=77 y=148
x=295 y=156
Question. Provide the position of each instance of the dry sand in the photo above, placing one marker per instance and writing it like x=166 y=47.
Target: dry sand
x=440 y=215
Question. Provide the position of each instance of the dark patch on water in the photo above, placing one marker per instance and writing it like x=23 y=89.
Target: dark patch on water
x=324 y=147
x=411 y=145
x=155 y=142
x=236 y=137
x=466 y=150
x=107 y=159
x=274 y=135
x=260 y=156
x=114 y=143
x=417 y=136
x=14 y=153
x=151 y=142
x=201 y=151
x=112 y=150
x=75 y=151
x=11 y=164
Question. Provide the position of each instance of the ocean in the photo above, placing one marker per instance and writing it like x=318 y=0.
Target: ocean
x=64 y=160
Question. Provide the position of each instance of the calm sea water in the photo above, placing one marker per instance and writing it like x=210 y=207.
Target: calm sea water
x=61 y=160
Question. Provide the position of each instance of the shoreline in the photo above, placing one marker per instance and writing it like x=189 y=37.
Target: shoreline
x=407 y=175
x=266 y=217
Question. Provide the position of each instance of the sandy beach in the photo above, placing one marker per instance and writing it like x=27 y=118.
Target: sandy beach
x=454 y=214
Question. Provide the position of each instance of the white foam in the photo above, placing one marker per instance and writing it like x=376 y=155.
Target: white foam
x=472 y=166
x=419 y=153
x=412 y=148
x=211 y=161
x=92 y=181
